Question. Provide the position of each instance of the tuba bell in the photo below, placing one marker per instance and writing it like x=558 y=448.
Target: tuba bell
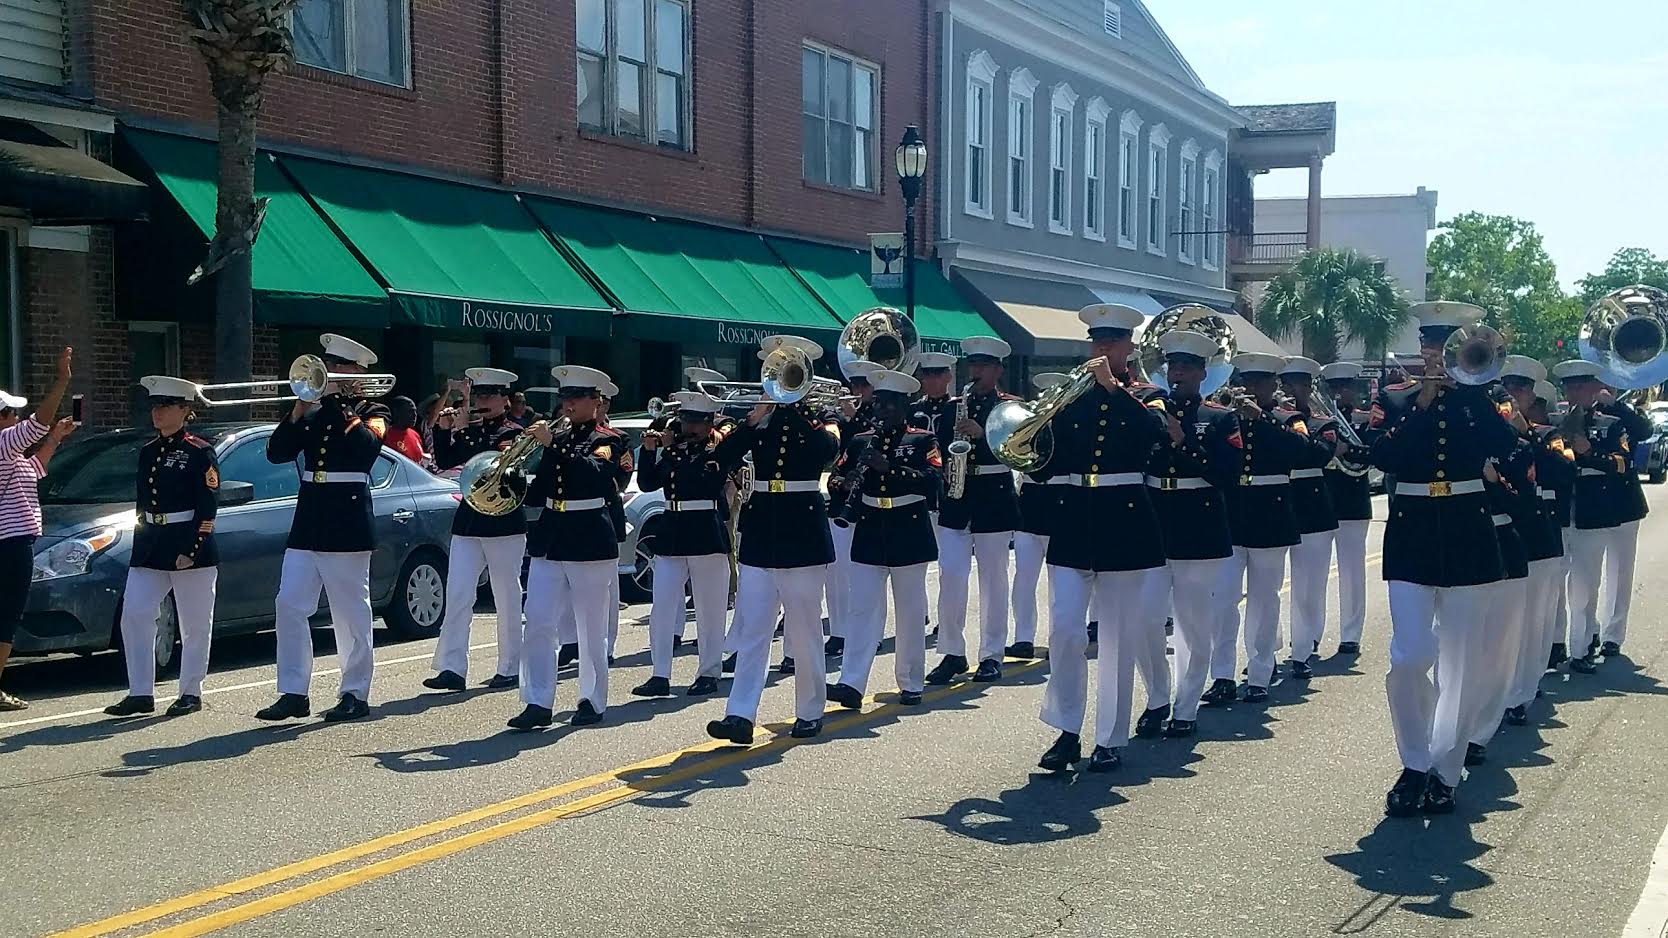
x=882 y=335
x=1625 y=333
x=1149 y=352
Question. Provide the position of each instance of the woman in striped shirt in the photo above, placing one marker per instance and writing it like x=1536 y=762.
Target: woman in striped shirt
x=20 y=510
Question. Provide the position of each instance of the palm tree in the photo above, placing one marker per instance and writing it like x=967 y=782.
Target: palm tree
x=242 y=42
x=1331 y=297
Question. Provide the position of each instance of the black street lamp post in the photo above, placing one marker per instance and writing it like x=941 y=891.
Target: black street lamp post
x=912 y=165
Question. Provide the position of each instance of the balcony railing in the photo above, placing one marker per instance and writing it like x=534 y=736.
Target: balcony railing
x=1267 y=248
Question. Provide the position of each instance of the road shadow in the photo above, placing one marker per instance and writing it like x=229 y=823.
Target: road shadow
x=1414 y=865
x=1048 y=808
x=72 y=734
x=1616 y=677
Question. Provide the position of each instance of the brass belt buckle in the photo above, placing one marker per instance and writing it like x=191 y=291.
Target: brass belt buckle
x=778 y=485
x=1244 y=480
x=559 y=505
x=885 y=501
x=1441 y=489
x=157 y=519
x=319 y=475
x=1168 y=484
x=1091 y=480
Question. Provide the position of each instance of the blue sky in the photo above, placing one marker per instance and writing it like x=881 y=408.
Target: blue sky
x=1553 y=112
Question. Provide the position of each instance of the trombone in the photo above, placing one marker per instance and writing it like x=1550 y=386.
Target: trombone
x=1473 y=355
x=786 y=377
x=310 y=381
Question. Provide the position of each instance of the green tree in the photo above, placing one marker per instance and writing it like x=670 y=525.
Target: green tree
x=1627 y=267
x=1330 y=297
x=1500 y=263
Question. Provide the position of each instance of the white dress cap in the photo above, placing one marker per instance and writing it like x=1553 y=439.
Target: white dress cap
x=1575 y=368
x=987 y=345
x=491 y=377
x=935 y=360
x=1298 y=365
x=695 y=373
x=1545 y=391
x=696 y=402
x=1111 y=316
x=1188 y=342
x=1341 y=371
x=1258 y=363
x=884 y=380
x=863 y=368
x=609 y=390
x=1446 y=313
x=579 y=376
x=1522 y=366
x=345 y=348
x=164 y=386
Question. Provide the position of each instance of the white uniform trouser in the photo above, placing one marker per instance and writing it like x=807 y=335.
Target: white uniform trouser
x=567 y=630
x=581 y=586
x=1561 y=609
x=709 y=578
x=1311 y=568
x=1430 y=639
x=345 y=578
x=501 y=558
x=1539 y=618
x=1619 y=556
x=1123 y=603
x=956 y=552
x=909 y=597
x=1350 y=541
x=798 y=592
x=1190 y=591
x=194 y=608
x=1259 y=571
x=1589 y=551
x=1030 y=553
x=1492 y=662
x=1150 y=645
x=841 y=608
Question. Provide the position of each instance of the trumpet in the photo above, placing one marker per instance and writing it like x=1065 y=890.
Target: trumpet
x=310 y=380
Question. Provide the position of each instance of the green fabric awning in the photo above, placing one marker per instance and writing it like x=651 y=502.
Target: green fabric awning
x=683 y=282
x=302 y=274
x=455 y=256
x=840 y=276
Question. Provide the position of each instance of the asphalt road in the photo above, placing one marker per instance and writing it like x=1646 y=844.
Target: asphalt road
x=432 y=819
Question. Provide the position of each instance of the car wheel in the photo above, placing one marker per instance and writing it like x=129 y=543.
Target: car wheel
x=419 y=603
x=166 y=648
x=1659 y=474
x=640 y=585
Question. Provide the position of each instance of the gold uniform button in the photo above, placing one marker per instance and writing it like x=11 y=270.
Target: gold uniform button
x=1442 y=424
x=1100 y=439
x=1441 y=474
x=1103 y=423
x=1441 y=439
x=1440 y=457
x=1104 y=407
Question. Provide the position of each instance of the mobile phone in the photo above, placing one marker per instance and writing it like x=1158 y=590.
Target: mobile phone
x=78 y=407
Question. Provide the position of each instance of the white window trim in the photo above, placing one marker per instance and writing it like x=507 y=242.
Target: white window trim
x=348 y=53
x=1063 y=102
x=981 y=73
x=1187 y=185
x=1212 y=211
x=874 y=132
x=1129 y=128
x=1022 y=88
x=1158 y=144
x=1095 y=114
x=651 y=65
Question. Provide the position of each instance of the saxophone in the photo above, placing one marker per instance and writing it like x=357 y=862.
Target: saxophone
x=961 y=452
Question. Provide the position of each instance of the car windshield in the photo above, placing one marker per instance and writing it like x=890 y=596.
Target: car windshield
x=96 y=469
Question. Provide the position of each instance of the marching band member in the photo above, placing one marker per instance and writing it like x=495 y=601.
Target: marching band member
x=1185 y=479
x=1352 y=502
x=1263 y=528
x=1311 y=499
x=173 y=551
x=1556 y=473
x=893 y=469
x=574 y=549
x=479 y=542
x=1441 y=557
x=935 y=371
x=1039 y=510
x=692 y=545
x=1110 y=551
x=856 y=417
x=977 y=526
x=785 y=553
x=331 y=540
x=1608 y=505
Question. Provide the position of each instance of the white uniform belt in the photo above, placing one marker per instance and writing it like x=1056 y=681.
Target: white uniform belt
x=896 y=501
x=574 y=504
x=1308 y=473
x=1548 y=495
x=695 y=505
x=1102 y=480
x=1057 y=480
x=1440 y=489
x=321 y=477
x=1171 y=485
x=1591 y=472
x=1501 y=521
x=1265 y=480
x=172 y=517
x=992 y=470
x=784 y=485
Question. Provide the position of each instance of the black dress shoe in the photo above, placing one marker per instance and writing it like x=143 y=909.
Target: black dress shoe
x=989 y=670
x=287 y=706
x=1439 y=797
x=1583 y=665
x=909 y=698
x=1061 y=756
x=1593 y=646
x=1255 y=694
x=1105 y=759
x=1025 y=650
x=702 y=687
x=653 y=687
x=1221 y=693
x=834 y=646
x=586 y=714
x=806 y=729
x=1349 y=648
x=1181 y=729
x=348 y=708
x=1151 y=723
x=130 y=705
x=786 y=667
x=502 y=681
x=531 y=718
x=567 y=654
x=1475 y=754
x=677 y=643
x=1301 y=671
x=846 y=696
x=732 y=729
x=445 y=680
x=1560 y=654
x=729 y=666
x=187 y=703
x=1407 y=796
x=1610 y=649
x=948 y=669
x=1517 y=716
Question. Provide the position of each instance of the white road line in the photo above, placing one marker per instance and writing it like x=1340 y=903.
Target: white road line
x=1650 y=916
x=211 y=691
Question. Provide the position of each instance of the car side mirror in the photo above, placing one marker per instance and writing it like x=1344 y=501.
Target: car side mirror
x=236 y=493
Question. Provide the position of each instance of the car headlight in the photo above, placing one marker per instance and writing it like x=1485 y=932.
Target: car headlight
x=72 y=555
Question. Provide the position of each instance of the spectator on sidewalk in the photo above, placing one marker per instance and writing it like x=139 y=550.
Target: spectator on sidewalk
x=403 y=436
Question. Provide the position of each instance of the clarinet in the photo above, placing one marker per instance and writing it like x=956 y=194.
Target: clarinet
x=852 y=508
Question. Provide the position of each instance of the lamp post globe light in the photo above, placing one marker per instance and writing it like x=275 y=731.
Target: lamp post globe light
x=911 y=158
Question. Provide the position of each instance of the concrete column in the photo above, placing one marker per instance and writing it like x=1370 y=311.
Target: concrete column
x=1312 y=240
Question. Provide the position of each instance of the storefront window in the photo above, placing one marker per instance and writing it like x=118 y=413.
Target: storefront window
x=533 y=362
x=453 y=356
x=153 y=349
x=11 y=313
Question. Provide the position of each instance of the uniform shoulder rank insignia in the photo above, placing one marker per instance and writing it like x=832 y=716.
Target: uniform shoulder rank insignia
x=212 y=478
x=934 y=458
x=1330 y=434
x=1297 y=425
x=1236 y=440
x=1375 y=417
x=625 y=461
x=605 y=451
x=1557 y=445
x=1158 y=404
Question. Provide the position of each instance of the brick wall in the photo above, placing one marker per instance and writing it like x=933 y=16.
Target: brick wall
x=67 y=300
